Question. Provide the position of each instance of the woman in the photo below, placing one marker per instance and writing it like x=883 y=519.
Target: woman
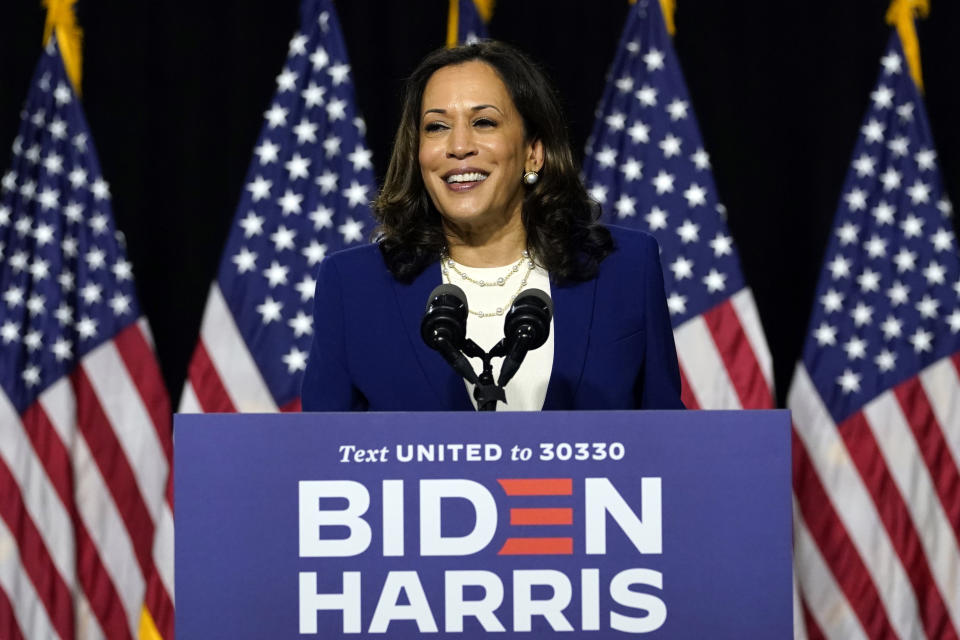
x=482 y=191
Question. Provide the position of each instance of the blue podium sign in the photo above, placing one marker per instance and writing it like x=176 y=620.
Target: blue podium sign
x=596 y=524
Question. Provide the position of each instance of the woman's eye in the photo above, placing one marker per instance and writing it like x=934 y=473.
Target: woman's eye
x=484 y=122
x=432 y=127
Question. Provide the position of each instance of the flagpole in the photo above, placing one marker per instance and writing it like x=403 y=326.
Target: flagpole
x=901 y=15
x=453 y=23
x=60 y=16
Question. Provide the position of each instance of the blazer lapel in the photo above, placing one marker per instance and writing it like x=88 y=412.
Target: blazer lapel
x=572 y=317
x=446 y=385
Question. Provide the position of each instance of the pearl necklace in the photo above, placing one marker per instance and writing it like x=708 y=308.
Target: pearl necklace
x=446 y=261
x=445 y=258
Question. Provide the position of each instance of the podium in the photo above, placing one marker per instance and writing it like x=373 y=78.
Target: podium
x=456 y=525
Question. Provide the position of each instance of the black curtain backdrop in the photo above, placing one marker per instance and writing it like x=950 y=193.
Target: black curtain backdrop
x=175 y=92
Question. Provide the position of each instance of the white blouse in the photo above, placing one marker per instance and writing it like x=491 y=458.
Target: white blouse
x=527 y=390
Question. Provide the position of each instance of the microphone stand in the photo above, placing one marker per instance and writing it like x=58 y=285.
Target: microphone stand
x=486 y=392
x=443 y=329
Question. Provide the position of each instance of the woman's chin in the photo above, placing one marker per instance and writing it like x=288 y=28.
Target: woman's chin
x=466 y=216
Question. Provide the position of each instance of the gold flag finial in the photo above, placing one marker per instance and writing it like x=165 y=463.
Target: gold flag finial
x=453 y=21
x=484 y=8
x=60 y=16
x=901 y=15
x=668 y=8
x=148 y=628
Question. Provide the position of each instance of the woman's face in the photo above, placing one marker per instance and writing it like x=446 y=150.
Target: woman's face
x=473 y=151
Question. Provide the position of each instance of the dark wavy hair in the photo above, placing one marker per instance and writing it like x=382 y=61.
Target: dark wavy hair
x=560 y=220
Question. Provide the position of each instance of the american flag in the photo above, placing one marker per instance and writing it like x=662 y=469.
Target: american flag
x=646 y=165
x=876 y=397
x=307 y=194
x=85 y=442
x=465 y=23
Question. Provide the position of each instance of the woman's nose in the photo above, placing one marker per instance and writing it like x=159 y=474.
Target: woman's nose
x=460 y=142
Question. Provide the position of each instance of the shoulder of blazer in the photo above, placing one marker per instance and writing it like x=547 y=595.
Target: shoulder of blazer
x=629 y=240
x=361 y=265
x=363 y=256
x=636 y=254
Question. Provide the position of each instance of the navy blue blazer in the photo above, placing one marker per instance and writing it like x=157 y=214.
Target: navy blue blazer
x=613 y=343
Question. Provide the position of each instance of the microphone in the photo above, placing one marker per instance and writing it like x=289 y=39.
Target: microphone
x=444 y=327
x=526 y=327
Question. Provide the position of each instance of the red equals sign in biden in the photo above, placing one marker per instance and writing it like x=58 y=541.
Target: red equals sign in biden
x=537 y=487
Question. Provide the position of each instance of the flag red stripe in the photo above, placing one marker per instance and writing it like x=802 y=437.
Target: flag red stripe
x=537 y=486
x=738 y=357
x=812 y=628
x=892 y=509
x=291 y=407
x=158 y=599
x=834 y=542
x=537 y=547
x=91 y=573
x=101 y=592
x=933 y=447
x=51 y=452
x=115 y=468
x=537 y=516
x=210 y=392
x=687 y=396
x=160 y=606
x=34 y=556
x=137 y=356
x=8 y=621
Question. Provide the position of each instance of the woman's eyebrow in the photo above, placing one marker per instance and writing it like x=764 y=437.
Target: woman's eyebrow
x=479 y=107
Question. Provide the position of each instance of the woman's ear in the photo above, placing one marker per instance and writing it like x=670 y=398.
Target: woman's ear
x=534 y=156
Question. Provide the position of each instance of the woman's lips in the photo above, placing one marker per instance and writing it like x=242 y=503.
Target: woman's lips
x=463 y=186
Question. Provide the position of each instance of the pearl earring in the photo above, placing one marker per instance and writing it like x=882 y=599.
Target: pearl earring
x=531 y=177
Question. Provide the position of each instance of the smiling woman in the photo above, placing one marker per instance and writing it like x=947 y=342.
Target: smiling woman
x=473 y=150
x=482 y=190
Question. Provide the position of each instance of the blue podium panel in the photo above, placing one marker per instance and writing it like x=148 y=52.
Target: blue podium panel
x=455 y=525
